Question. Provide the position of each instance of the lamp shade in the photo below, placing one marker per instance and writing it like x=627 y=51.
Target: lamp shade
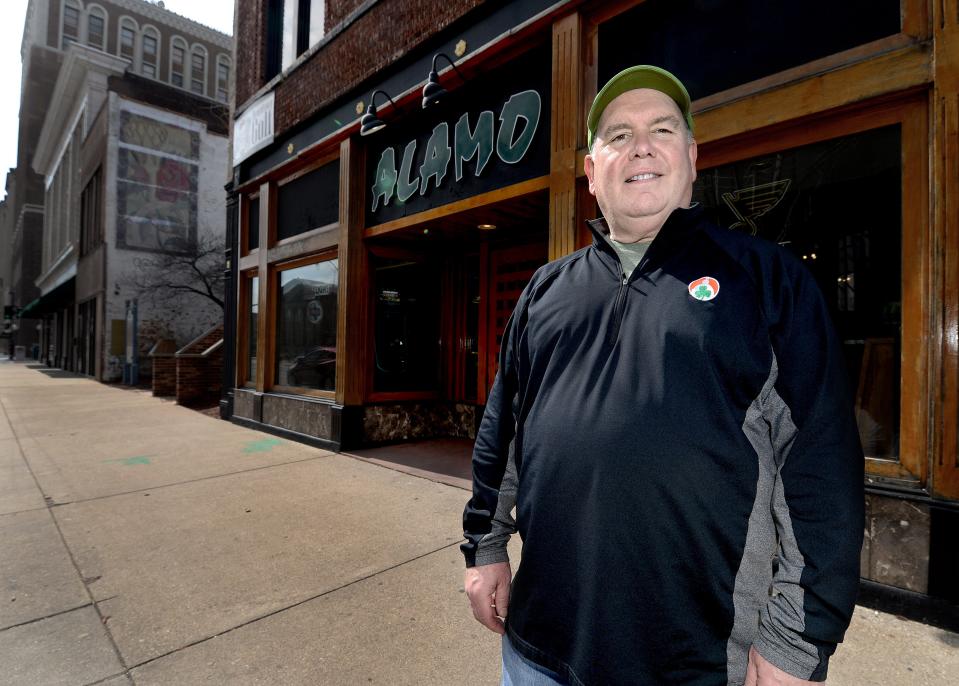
x=370 y=123
x=433 y=92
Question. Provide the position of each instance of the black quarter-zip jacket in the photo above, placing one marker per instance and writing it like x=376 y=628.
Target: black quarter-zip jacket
x=686 y=470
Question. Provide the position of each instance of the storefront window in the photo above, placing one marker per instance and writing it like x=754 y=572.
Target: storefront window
x=811 y=199
x=406 y=354
x=253 y=224
x=253 y=297
x=744 y=39
x=309 y=202
x=306 y=326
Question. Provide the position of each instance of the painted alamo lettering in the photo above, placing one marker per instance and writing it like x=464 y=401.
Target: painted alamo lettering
x=511 y=143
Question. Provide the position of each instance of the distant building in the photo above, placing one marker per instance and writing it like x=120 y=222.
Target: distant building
x=128 y=157
x=6 y=268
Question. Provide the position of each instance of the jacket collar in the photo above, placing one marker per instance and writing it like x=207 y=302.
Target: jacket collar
x=678 y=227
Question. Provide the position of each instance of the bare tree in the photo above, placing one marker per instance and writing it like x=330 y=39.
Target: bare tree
x=164 y=277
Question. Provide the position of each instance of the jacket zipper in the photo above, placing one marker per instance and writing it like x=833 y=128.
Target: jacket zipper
x=618 y=310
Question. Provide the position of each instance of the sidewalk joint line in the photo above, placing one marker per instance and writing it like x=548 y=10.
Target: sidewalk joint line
x=49 y=616
x=294 y=605
x=109 y=678
x=29 y=509
x=153 y=489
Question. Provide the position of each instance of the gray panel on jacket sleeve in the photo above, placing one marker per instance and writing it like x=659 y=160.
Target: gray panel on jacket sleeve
x=492 y=547
x=754 y=576
x=782 y=619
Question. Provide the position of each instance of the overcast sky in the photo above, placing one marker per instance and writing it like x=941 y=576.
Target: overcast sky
x=217 y=14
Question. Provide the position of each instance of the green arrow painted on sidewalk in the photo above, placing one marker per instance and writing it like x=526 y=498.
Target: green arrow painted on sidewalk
x=136 y=459
x=262 y=446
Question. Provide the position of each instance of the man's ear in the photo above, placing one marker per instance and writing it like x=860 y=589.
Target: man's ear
x=693 y=155
x=589 y=169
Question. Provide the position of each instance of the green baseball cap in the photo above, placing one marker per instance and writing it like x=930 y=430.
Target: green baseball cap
x=640 y=76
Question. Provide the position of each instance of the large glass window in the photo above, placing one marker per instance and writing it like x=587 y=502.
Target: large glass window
x=223 y=79
x=309 y=201
x=198 y=71
x=306 y=326
x=253 y=297
x=71 y=24
x=91 y=214
x=149 y=55
x=95 y=29
x=744 y=39
x=253 y=224
x=406 y=339
x=303 y=25
x=809 y=199
x=177 y=59
x=128 y=39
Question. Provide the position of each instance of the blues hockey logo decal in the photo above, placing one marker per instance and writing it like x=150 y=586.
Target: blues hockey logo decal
x=704 y=289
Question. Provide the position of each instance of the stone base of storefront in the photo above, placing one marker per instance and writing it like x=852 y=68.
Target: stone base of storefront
x=325 y=424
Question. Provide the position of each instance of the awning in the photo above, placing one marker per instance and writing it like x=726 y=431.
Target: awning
x=60 y=297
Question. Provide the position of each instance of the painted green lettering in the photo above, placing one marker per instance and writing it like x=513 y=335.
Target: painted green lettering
x=526 y=105
x=438 y=155
x=405 y=189
x=479 y=143
x=385 y=178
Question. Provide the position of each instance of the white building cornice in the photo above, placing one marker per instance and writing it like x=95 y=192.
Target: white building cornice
x=177 y=21
x=71 y=86
x=61 y=271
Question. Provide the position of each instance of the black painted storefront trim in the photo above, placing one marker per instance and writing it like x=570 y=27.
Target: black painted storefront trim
x=909 y=604
x=314 y=441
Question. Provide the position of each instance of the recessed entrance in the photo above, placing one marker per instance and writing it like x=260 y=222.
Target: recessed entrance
x=443 y=292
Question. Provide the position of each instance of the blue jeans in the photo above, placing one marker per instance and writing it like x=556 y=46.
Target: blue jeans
x=518 y=671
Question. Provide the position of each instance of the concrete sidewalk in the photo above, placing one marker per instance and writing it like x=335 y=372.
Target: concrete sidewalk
x=144 y=543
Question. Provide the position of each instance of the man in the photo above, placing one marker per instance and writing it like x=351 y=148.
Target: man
x=672 y=423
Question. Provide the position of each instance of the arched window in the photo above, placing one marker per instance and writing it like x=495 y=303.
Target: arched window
x=150 y=52
x=223 y=78
x=96 y=27
x=178 y=52
x=70 y=24
x=198 y=69
x=127 y=39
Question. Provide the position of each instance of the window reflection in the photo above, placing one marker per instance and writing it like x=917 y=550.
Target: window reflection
x=306 y=326
x=252 y=326
x=406 y=349
x=837 y=205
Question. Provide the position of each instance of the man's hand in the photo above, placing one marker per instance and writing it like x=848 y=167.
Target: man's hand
x=487 y=587
x=761 y=672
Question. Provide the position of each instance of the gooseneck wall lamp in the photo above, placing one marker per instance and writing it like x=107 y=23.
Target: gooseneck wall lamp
x=433 y=92
x=369 y=122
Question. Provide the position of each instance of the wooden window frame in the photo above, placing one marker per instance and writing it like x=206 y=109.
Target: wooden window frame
x=245 y=201
x=274 y=271
x=272 y=256
x=877 y=60
x=289 y=247
x=910 y=111
x=243 y=333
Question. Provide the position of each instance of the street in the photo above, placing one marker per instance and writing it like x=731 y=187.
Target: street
x=145 y=543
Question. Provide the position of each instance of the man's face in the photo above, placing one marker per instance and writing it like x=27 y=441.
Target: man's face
x=642 y=165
